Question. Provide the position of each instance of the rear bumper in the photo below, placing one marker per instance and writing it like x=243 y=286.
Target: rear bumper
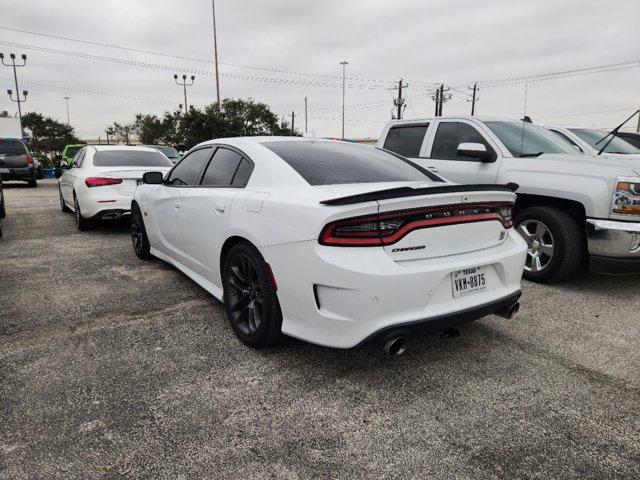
x=24 y=173
x=614 y=247
x=111 y=214
x=341 y=297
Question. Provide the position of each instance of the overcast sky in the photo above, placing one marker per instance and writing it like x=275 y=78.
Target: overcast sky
x=455 y=41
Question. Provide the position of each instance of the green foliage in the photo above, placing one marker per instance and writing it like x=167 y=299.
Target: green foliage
x=4 y=114
x=121 y=133
x=44 y=134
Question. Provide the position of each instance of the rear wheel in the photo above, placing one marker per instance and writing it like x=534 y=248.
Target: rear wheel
x=139 y=234
x=555 y=244
x=250 y=298
x=81 y=222
x=33 y=183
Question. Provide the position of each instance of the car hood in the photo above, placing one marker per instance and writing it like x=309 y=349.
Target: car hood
x=612 y=165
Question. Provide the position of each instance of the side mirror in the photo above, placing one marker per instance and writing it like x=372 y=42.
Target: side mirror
x=153 y=178
x=475 y=150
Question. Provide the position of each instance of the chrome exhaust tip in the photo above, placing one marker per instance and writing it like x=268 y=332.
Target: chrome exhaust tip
x=395 y=345
x=510 y=312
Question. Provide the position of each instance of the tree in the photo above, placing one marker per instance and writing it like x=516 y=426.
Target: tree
x=153 y=130
x=4 y=114
x=44 y=134
x=121 y=132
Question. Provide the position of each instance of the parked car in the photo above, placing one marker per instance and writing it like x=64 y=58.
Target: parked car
x=100 y=182
x=16 y=163
x=3 y=212
x=70 y=151
x=631 y=137
x=169 y=152
x=586 y=140
x=331 y=242
x=569 y=205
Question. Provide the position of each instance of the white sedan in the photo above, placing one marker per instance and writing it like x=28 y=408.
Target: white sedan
x=331 y=242
x=100 y=182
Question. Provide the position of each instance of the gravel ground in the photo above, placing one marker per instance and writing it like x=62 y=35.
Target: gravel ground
x=111 y=367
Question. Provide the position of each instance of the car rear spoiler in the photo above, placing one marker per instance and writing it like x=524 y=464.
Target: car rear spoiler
x=414 y=192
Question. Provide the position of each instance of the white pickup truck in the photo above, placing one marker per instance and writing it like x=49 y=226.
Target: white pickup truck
x=570 y=206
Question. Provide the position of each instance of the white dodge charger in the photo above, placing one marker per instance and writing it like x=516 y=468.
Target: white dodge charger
x=331 y=242
x=100 y=182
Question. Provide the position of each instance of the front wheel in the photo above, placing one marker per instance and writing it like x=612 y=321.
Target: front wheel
x=556 y=245
x=141 y=245
x=250 y=297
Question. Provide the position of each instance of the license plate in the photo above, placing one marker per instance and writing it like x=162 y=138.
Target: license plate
x=4 y=170
x=469 y=281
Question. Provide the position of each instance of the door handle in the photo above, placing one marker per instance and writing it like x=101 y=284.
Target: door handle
x=433 y=169
x=220 y=208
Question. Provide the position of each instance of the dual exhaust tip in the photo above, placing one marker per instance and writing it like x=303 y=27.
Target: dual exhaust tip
x=397 y=344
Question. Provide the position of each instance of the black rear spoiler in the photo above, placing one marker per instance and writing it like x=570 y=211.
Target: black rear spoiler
x=414 y=192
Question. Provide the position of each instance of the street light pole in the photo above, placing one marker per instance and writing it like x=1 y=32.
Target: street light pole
x=67 y=100
x=215 y=51
x=344 y=66
x=15 y=77
x=184 y=86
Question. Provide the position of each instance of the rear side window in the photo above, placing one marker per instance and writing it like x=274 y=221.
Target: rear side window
x=243 y=173
x=332 y=163
x=406 y=140
x=10 y=146
x=451 y=134
x=187 y=171
x=222 y=168
x=129 y=158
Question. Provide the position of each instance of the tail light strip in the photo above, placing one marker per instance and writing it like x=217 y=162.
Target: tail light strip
x=101 y=182
x=390 y=227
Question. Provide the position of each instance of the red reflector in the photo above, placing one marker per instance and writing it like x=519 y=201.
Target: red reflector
x=29 y=159
x=100 y=182
x=390 y=227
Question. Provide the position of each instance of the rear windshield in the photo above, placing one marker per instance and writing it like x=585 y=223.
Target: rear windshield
x=332 y=163
x=594 y=137
x=129 y=158
x=10 y=146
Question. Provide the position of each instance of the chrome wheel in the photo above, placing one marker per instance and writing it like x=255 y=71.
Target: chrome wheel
x=540 y=244
x=244 y=294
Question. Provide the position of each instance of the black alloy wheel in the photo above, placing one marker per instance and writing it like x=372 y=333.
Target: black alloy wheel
x=250 y=298
x=139 y=237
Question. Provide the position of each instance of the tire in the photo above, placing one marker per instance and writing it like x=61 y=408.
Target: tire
x=63 y=205
x=32 y=182
x=3 y=212
x=82 y=223
x=554 y=237
x=139 y=239
x=250 y=298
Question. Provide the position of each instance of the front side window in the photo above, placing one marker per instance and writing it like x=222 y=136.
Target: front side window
x=617 y=145
x=450 y=135
x=222 y=168
x=334 y=163
x=406 y=140
x=524 y=139
x=79 y=158
x=187 y=171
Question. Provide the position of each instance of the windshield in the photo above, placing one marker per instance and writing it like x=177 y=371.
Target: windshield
x=617 y=145
x=9 y=146
x=333 y=163
x=526 y=139
x=169 y=152
x=129 y=158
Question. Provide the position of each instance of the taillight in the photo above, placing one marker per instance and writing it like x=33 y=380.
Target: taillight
x=390 y=227
x=29 y=159
x=100 y=182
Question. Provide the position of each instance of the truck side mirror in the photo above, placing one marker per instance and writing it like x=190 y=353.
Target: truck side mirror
x=475 y=150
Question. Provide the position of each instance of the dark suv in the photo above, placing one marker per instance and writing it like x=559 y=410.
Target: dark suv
x=16 y=163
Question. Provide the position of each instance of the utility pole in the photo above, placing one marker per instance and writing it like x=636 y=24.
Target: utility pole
x=215 y=52
x=184 y=85
x=399 y=102
x=344 y=66
x=305 y=115
x=293 y=122
x=436 y=98
x=67 y=100
x=473 y=98
x=12 y=56
x=441 y=98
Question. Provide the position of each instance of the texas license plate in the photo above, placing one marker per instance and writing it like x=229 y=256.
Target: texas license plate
x=4 y=170
x=469 y=281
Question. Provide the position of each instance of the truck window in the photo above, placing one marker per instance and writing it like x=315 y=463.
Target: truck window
x=567 y=139
x=451 y=134
x=406 y=140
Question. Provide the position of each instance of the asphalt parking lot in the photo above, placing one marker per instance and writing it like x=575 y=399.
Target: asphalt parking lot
x=111 y=367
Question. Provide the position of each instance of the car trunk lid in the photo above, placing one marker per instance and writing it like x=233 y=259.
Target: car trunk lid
x=130 y=177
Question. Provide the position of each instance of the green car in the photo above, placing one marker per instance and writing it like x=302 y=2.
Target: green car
x=69 y=152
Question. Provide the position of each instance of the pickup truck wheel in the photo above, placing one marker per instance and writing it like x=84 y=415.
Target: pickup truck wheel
x=555 y=244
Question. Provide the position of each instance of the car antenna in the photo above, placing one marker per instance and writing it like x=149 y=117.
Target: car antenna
x=613 y=133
